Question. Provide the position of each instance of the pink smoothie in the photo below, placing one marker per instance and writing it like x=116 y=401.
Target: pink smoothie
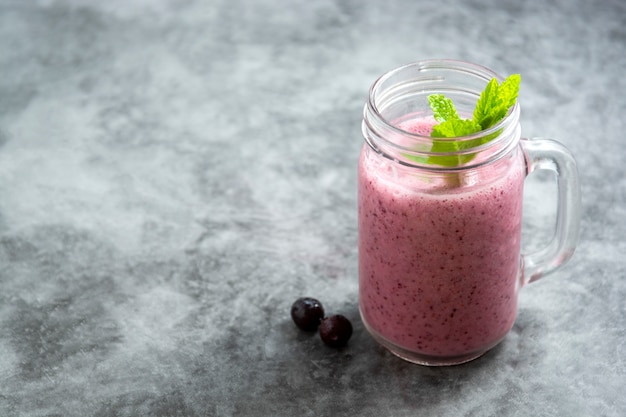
x=439 y=265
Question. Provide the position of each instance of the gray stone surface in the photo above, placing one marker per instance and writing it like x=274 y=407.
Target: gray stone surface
x=173 y=174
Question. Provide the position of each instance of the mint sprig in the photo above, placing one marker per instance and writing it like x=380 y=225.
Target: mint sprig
x=492 y=106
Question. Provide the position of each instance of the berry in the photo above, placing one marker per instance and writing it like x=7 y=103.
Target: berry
x=307 y=313
x=335 y=331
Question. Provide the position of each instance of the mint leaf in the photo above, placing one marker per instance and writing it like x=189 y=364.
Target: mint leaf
x=450 y=129
x=492 y=106
x=495 y=101
x=509 y=89
x=453 y=128
x=486 y=103
x=443 y=107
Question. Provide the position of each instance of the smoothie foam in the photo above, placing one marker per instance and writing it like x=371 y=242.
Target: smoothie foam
x=439 y=268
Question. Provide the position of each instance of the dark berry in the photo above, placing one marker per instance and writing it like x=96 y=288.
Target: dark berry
x=307 y=312
x=335 y=330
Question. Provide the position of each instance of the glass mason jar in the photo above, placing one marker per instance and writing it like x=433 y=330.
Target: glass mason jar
x=440 y=264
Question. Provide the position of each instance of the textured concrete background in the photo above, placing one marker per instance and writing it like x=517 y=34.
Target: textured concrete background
x=174 y=173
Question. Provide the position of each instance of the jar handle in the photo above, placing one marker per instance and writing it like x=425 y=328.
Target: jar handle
x=550 y=155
